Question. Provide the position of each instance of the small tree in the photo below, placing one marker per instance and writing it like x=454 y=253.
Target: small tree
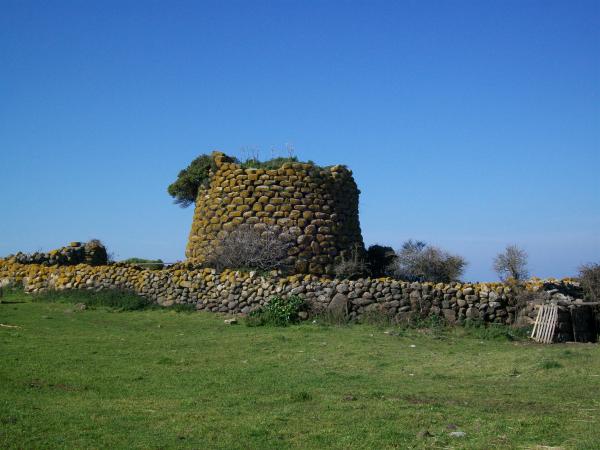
x=589 y=277
x=197 y=175
x=379 y=258
x=512 y=264
x=246 y=247
x=185 y=189
x=408 y=264
x=417 y=261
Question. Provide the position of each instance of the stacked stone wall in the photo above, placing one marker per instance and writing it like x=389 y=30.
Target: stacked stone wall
x=241 y=292
x=92 y=253
x=316 y=207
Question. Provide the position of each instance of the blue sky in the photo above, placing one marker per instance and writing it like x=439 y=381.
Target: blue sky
x=468 y=124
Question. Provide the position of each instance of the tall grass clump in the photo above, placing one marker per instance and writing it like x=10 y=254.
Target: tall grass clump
x=548 y=364
x=493 y=331
x=118 y=299
x=331 y=318
x=10 y=289
x=377 y=318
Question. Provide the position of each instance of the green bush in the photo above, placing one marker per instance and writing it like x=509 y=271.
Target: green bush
x=185 y=189
x=279 y=312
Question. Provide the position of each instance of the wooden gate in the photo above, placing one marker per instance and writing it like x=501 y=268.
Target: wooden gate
x=545 y=324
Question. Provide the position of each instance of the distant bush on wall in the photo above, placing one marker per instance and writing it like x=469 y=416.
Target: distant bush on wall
x=185 y=189
x=512 y=264
x=418 y=261
x=589 y=277
x=154 y=264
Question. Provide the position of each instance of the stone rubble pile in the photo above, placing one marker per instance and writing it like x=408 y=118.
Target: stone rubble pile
x=575 y=319
x=92 y=253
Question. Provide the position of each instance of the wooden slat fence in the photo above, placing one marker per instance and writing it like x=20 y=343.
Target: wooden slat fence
x=545 y=324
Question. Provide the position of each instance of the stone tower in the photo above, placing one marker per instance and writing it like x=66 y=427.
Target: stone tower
x=317 y=206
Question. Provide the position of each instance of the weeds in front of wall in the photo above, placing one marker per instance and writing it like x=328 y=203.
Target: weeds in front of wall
x=279 y=312
x=116 y=299
x=183 y=307
x=331 y=318
x=493 y=331
x=9 y=290
x=378 y=318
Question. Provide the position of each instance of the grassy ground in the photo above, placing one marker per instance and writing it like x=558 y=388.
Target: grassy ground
x=161 y=379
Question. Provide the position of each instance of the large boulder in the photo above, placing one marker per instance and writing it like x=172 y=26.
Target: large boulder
x=338 y=305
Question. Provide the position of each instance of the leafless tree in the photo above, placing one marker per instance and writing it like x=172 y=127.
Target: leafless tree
x=248 y=247
x=589 y=277
x=290 y=149
x=353 y=266
x=250 y=153
x=512 y=264
x=417 y=261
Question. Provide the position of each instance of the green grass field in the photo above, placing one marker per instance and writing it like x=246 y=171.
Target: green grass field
x=99 y=378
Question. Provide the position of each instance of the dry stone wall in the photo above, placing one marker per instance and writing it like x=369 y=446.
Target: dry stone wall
x=316 y=207
x=241 y=292
x=92 y=252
